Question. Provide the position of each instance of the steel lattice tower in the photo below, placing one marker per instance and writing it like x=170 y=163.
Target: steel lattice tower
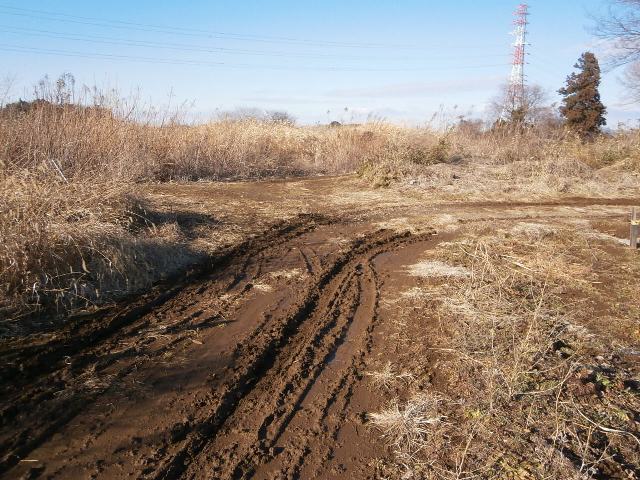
x=516 y=93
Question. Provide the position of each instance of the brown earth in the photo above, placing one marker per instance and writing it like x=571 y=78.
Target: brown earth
x=253 y=364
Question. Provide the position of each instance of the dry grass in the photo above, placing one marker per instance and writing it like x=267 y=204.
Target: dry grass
x=117 y=139
x=435 y=268
x=72 y=245
x=528 y=386
x=526 y=165
x=120 y=143
x=69 y=170
x=407 y=427
x=388 y=375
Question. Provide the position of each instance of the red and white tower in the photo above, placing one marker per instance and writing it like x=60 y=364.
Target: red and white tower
x=516 y=93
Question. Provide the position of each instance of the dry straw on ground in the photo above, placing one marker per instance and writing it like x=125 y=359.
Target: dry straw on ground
x=513 y=355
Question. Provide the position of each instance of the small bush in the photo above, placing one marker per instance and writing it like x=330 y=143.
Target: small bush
x=430 y=155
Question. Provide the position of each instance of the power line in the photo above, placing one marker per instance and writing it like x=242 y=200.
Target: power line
x=143 y=27
x=172 y=29
x=200 y=48
x=544 y=70
x=68 y=53
x=541 y=64
x=48 y=15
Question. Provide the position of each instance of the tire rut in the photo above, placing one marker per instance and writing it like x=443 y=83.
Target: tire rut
x=291 y=354
x=59 y=367
x=300 y=351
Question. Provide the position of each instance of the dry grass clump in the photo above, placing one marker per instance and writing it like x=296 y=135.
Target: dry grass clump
x=527 y=390
x=404 y=152
x=479 y=178
x=407 y=426
x=555 y=145
x=524 y=164
x=77 y=142
x=503 y=146
x=534 y=232
x=388 y=375
x=435 y=268
x=621 y=148
x=71 y=245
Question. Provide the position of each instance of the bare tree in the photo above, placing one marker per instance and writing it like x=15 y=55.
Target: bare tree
x=620 y=29
x=534 y=110
x=6 y=87
x=242 y=114
x=281 y=117
x=631 y=80
x=257 y=115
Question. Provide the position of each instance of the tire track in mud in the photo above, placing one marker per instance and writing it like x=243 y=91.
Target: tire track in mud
x=310 y=265
x=56 y=366
x=279 y=365
x=304 y=366
x=278 y=369
x=89 y=330
x=342 y=390
x=314 y=433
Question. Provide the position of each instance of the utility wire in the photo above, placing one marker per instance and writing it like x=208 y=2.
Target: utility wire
x=205 y=49
x=169 y=29
x=68 y=53
x=143 y=27
x=548 y=73
x=540 y=64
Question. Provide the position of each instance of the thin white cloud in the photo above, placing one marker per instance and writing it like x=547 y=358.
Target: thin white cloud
x=419 y=89
x=622 y=107
x=281 y=99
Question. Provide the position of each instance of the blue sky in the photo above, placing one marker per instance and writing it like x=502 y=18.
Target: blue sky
x=330 y=60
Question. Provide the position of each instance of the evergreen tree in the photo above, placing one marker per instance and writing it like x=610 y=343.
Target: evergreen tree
x=582 y=109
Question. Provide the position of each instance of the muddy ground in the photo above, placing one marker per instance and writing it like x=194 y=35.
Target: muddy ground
x=256 y=363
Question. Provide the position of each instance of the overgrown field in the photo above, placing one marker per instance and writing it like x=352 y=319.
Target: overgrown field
x=77 y=230
x=514 y=354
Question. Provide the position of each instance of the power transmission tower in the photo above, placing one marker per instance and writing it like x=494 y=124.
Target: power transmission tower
x=516 y=94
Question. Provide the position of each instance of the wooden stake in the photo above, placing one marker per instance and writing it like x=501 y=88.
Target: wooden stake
x=635 y=227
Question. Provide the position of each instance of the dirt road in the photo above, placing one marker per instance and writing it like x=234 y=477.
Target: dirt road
x=251 y=366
